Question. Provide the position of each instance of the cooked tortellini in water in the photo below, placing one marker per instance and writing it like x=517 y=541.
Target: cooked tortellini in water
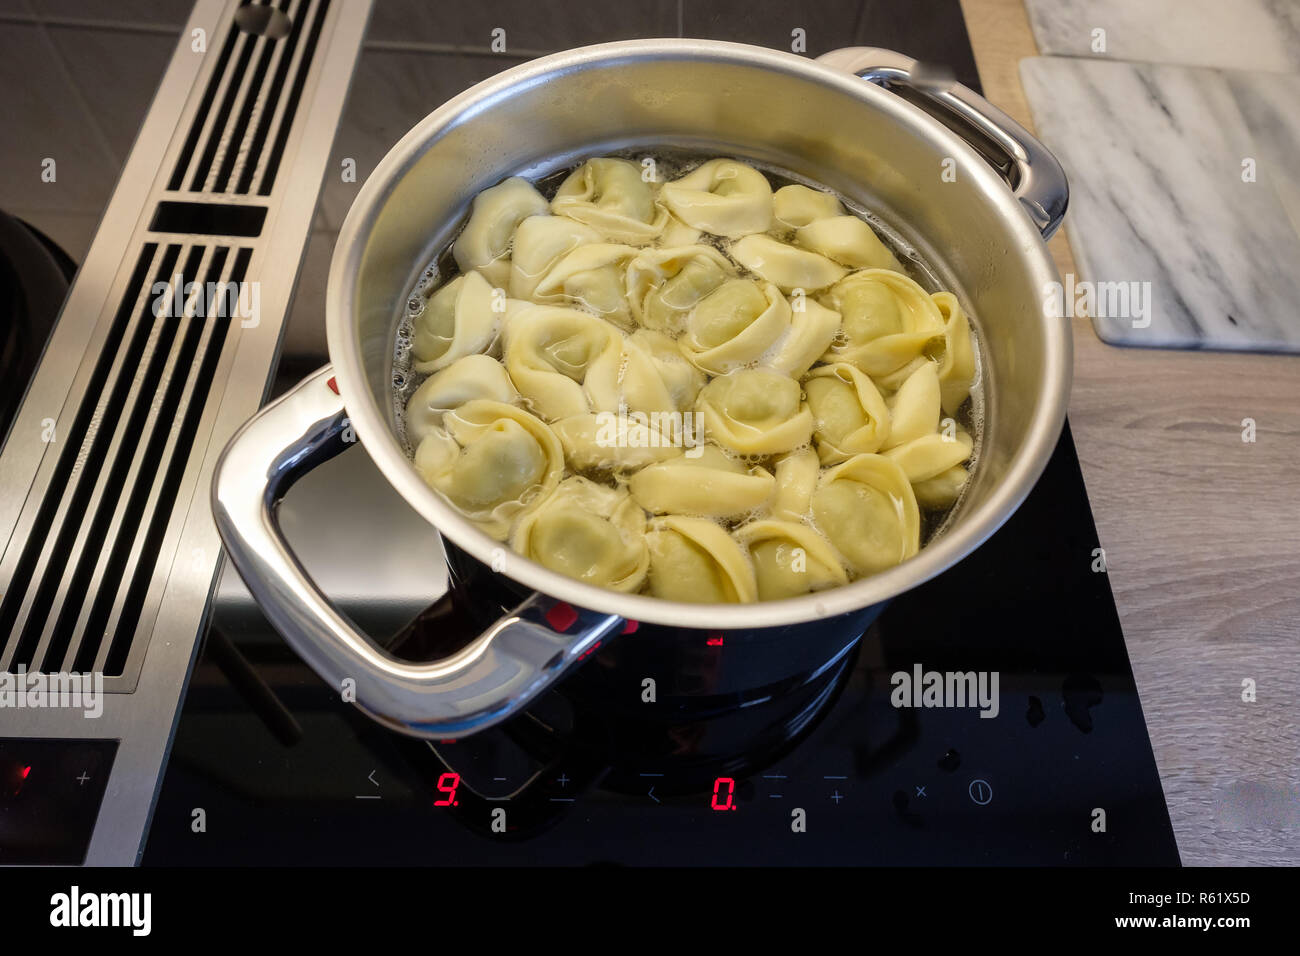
x=491 y=460
x=588 y=531
x=693 y=380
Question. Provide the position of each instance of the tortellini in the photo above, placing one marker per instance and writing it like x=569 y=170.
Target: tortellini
x=588 y=531
x=459 y=319
x=790 y=559
x=786 y=266
x=694 y=559
x=539 y=244
x=564 y=362
x=795 y=206
x=943 y=490
x=492 y=461
x=723 y=197
x=595 y=443
x=849 y=241
x=743 y=322
x=914 y=408
x=704 y=390
x=930 y=455
x=866 y=508
x=613 y=197
x=656 y=376
x=474 y=376
x=887 y=321
x=796 y=478
x=664 y=285
x=957 y=356
x=710 y=484
x=494 y=216
x=850 y=416
x=756 y=411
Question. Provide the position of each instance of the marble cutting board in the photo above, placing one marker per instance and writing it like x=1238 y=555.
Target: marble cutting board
x=1234 y=34
x=1160 y=199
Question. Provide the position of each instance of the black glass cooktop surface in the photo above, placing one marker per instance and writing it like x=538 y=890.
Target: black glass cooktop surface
x=1039 y=754
x=1048 y=762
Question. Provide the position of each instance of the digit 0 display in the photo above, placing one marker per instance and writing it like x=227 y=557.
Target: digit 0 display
x=724 y=794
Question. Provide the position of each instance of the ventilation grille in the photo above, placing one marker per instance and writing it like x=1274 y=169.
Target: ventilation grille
x=237 y=139
x=82 y=580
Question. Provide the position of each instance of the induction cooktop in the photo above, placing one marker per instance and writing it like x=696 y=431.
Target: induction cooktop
x=1046 y=760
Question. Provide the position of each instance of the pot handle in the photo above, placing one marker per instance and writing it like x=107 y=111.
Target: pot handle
x=1033 y=173
x=488 y=681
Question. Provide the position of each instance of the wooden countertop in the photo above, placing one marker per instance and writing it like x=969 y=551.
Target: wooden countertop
x=1202 y=537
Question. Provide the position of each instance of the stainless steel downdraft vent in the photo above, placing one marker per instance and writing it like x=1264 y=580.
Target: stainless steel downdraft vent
x=237 y=140
x=78 y=590
x=165 y=345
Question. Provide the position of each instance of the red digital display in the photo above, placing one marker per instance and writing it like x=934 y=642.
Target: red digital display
x=724 y=794
x=447 y=785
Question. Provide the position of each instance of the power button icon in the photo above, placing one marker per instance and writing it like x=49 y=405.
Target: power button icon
x=980 y=792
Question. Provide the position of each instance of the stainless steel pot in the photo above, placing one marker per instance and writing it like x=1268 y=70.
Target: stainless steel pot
x=982 y=227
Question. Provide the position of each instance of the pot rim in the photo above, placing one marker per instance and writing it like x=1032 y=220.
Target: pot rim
x=371 y=426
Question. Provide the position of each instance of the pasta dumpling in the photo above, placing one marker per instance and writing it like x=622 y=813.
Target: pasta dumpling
x=588 y=531
x=851 y=417
x=957 y=356
x=491 y=461
x=813 y=328
x=693 y=559
x=755 y=411
x=494 y=216
x=849 y=241
x=786 y=266
x=914 y=408
x=795 y=205
x=796 y=479
x=611 y=196
x=458 y=320
x=539 y=244
x=468 y=378
x=790 y=559
x=943 y=490
x=663 y=285
x=887 y=321
x=710 y=484
x=724 y=197
x=564 y=362
x=930 y=455
x=867 y=510
x=677 y=233
x=743 y=322
x=656 y=377
x=605 y=443
x=734 y=324
x=591 y=277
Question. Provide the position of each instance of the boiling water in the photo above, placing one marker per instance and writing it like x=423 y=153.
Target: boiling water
x=671 y=165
